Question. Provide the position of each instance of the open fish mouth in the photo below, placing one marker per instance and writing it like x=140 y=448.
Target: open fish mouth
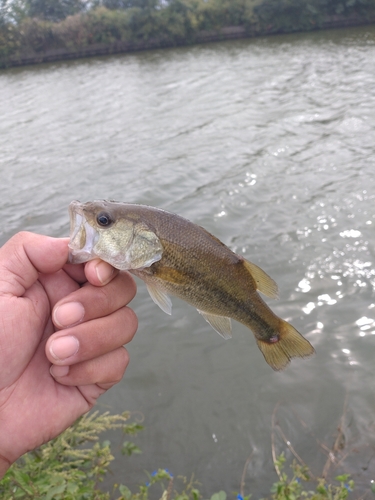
x=83 y=237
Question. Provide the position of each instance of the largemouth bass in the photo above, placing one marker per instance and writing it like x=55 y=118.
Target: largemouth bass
x=177 y=257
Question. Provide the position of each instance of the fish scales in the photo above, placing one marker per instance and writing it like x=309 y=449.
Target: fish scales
x=209 y=291
x=203 y=258
x=177 y=257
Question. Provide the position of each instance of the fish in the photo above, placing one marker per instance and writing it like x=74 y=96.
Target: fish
x=174 y=256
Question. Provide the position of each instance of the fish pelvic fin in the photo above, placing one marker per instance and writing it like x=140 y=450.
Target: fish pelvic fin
x=160 y=298
x=221 y=324
x=263 y=282
x=287 y=345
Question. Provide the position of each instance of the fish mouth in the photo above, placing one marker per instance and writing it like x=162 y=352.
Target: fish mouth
x=83 y=237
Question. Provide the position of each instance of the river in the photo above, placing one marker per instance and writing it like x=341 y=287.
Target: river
x=269 y=144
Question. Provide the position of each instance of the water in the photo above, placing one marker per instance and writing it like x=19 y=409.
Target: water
x=269 y=144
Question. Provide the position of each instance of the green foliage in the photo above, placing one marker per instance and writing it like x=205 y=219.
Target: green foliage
x=346 y=7
x=166 y=483
x=127 y=4
x=296 y=15
x=31 y=27
x=105 y=26
x=219 y=496
x=53 y=10
x=218 y=13
x=288 y=15
x=9 y=40
x=4 y=11
x=38 y=33
x=293 y=489
x=72 y=466
x=11 y=11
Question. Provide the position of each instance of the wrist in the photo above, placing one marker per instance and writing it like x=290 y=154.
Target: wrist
x=4 y=466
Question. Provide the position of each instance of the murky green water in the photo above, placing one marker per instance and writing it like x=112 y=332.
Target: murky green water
x=269 y=144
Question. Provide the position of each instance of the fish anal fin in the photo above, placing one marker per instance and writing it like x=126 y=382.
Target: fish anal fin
x=160 y=298
x=289 y=344
x=264 y=283
x=221 y=324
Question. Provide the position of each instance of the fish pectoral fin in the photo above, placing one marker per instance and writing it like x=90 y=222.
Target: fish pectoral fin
x=160 y=298
x=264 y=283
x=221 y=324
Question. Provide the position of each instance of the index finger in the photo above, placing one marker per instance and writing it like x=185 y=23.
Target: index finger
x=90 y=302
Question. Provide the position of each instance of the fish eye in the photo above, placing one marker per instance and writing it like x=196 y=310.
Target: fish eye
x=104 y=219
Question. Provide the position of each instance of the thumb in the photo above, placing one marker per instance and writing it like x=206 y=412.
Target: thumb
x=26 y=255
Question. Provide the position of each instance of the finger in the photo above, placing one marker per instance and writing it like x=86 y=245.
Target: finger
x=96 y=271
x=92 y=339
x=90 y=302
x=58 y=285
x=105 y=370
x=24 y=256
x=99 y=273
x=76 y=272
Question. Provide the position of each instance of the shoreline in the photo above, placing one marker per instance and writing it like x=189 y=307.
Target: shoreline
x=226 y=33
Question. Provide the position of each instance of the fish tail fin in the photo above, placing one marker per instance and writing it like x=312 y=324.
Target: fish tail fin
x=289 y=344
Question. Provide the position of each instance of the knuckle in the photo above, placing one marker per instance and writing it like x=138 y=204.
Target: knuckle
x=102 y=299
x=132 y=320
x=118 y=361
x=21 y=236
x=128 y=283
x=122 y=364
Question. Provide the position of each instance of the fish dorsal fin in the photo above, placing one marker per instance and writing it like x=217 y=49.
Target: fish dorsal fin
x=221 y=324
x=160 y=298
x=264 y=283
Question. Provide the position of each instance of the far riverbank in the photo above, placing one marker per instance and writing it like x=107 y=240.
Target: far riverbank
x=102 y=49
x=103 y=31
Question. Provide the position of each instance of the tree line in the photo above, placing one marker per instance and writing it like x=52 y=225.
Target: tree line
x=36 y=26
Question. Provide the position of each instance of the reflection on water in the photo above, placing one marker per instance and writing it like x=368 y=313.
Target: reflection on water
x=269 y=144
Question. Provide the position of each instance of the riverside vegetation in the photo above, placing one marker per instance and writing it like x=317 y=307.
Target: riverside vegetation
x=32 y=27
x=72 y=466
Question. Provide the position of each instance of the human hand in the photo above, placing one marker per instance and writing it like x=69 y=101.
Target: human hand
x=61 y=344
